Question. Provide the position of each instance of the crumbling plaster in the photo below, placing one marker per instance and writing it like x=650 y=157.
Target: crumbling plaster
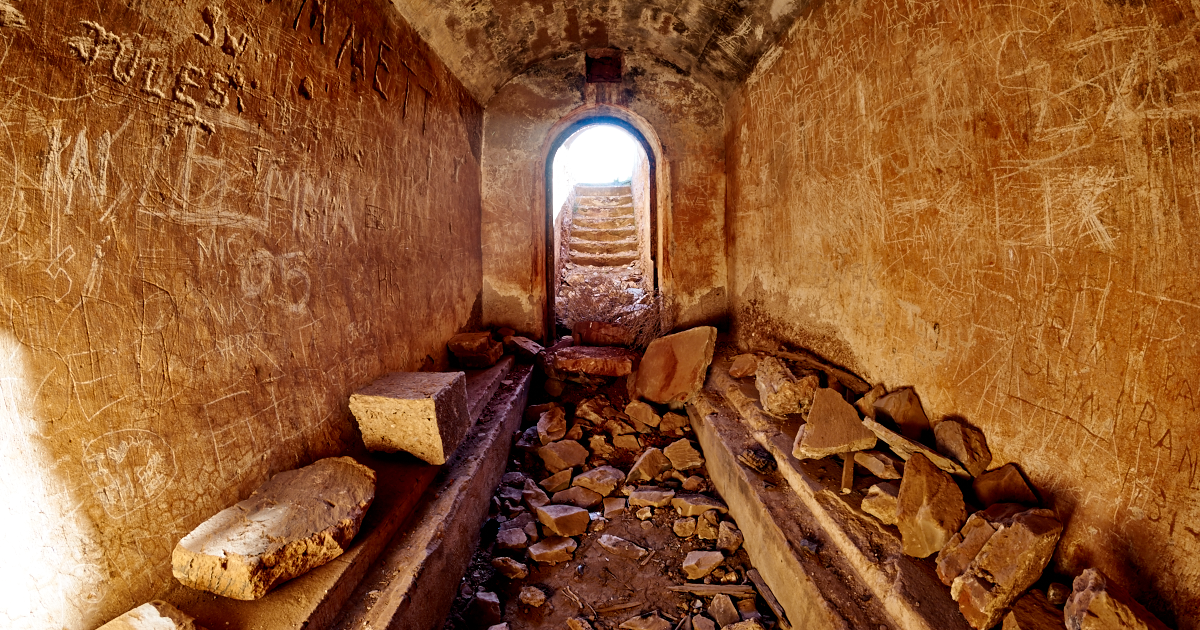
x=217 y=220
x=996 y=203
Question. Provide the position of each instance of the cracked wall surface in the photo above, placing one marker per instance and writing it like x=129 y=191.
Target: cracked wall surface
x=217 y=219
x=996 y=203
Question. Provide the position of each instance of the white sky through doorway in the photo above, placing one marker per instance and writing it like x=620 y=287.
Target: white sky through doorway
x=602 y=154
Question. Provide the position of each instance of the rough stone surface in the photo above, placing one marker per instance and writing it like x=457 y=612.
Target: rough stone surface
x=674 y=366
x=644 y=513
x=651 y=464
x=684 y=527
x=1057 y=594
x=533 y=495
x=723 y=610
x=642 y=412
x=866 y=404
x=673 y=424
x=553 y=550
x=601 y=334
x=295 y=522
x=1032 y=611
x=510 y=568
x=698 y=564
x=961 y=549
x=593 y=360
x=707 y=525
x=475 y=349
x=652 y=497
x=696 y=504
x=743 y=365
x=600 y=447
x=904 y=408
x=563 y=520
x=684 y=456
x=779 y=391
x=881 y=501
x=646 y=622
x=700 y=622
x=562 y=455
x=559 y=481
x=577 y=496
x=532 y=596
x=613 y=507
x=905 y=448
x=578 y=623
x=1010 y=562
x=930 y=508
x=964 y=444
x=513 y=538
x=552 y=425
x=602 y=479
x=627 y=443
x=423 y=413
x=621 y=547
x=749 y=624
x=155 y=615
x=486 y=609
x=527 y=347
x=880 y=464
x=833 y=427
x=729 y=538
x=1097 y=603
x=1006 y=484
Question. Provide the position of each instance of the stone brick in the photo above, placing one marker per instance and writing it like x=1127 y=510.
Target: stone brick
x=155 y=615
x=563 y=520
x=930 y=508
x=684 y=456
x=1004 y=485
x=674 y=366
x=577 y=496
x=602 y=480
x=881 y=500
x=964 y=444
x=553 y=550
x=652 y=497
x=475 y=350
x=696 y=504
x=423 y=413
x=295 y=522
x=562 y=455
x=779 y=391
x=904 y=408
x=1098 y=603
x=651 y=464
x=698 y=564
x=833 y=427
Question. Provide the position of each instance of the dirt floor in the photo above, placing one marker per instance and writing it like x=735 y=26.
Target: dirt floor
x=607 y=589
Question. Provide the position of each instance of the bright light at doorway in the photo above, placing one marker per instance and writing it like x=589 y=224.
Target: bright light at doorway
x=602 y=154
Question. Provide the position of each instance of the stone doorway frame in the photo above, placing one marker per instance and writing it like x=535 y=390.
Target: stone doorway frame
x=659 y=193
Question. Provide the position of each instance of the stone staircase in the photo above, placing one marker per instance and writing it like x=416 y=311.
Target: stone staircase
x=603 y=233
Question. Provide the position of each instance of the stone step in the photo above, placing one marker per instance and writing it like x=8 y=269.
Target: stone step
x=593 y=191
x=609 y=234
x=604 y=247
x=615 y=211
x=604 y=260
x=603 y=223
x=604 y=200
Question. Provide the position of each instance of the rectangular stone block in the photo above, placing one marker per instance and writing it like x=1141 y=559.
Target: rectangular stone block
x=423 y=413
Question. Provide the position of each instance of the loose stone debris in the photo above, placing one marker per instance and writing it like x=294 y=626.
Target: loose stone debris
x=155 y=615
x=780 y=392
x=423 y=413
x=1097 y=603
x=929 y=507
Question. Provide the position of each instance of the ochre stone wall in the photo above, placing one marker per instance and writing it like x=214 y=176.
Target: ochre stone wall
x=519 y=120
x=217 y=220
x=997 y=204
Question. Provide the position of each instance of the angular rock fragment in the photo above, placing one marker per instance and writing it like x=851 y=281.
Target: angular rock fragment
x=779 y=391
x=1032 y=611
x=423 y=413
x=866 y=404
x=557 y=482
x=155 y=615
x=674 y=366
x=563 y=520
x=578 y=623
x=600 y=446
x=512 y=539
x=833 y=427
x=904 y=408
x=880 y=464
x=684 y=527
x=562 y=455
x=651 y=497
x=698 y=564
x=930 y=508
x=1098 y=603
x=475 y=350
x=696 y=504
x=695 y=483
x=1010 y=562
x=642 y=412
x=627 y=442
x=532 y=596
x=651 y=464
x=553 y=550
x=533 y=495
x=960 y=551
x=1006 y=484
x=706 y=525
x=905 y=448
x=1057 y=594
x=485 y=608
x=646 y=622
x=613 y=507
x=510 y=568
x=552 y=425
x=743 y=365
x=964 y=444
x=593 y=360
x=748 y=611
x=881 y=501
x=749 y=624
x=621 y=547
x=601 y=334
x=577 y=496
x=601 y=480
x=295 y=522
x=596 y=410
x=723 y=610
x=684 y=456
x=526 y=347
x=729 y=538
x=673 y=424
x=700 y=622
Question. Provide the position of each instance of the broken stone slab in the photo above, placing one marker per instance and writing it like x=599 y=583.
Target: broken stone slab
x=673 y=424
x=600 y=447
x=557 y=482
x=475 y=350
x=696 y=504
x=552 y=425
x=651 y=464
x=961 y=549
x=674 y=366
x=904 y=408
x=651 y=497
x=695 y=483
x=700 y=622
x=880 y=464
x=905 y=448
x=881 y=501
x=297 y=521
x=155 y=615
x=594 y=360
x=684 y=456
x=553 y=550
x=620 y=547
x=729 y=538
x=965 y=444
x=1098 y=603
x=698 y=564
x=684 y=527
x=577 y=496
x=866 y=404
x=614 y=507
x=601 y=480
x=706 y=525
x=526 y=347
x=1032 y=611
x=511 y=569
x=929 y=507
x=1010 y=562
x=743 y=365
x=723 y=610
x=601 y=334
x=627 y=443
x=779 y=391
x=643 y=413
x=532 y=596
x=563 y=520
x=646 y=622
x=833 y=427
x=533 y=496
x=563 y=454
x=1006 y=484
x=423 y=413
x=512 y=539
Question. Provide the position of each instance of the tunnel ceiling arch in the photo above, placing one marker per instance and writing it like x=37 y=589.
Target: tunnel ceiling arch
x=487 y=42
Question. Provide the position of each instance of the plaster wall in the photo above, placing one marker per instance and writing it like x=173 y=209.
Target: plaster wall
x=216 y=222
x=996 y=203
x=519 y=124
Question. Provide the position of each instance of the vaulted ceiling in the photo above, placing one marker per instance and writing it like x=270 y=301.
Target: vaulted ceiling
x=487 y=42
